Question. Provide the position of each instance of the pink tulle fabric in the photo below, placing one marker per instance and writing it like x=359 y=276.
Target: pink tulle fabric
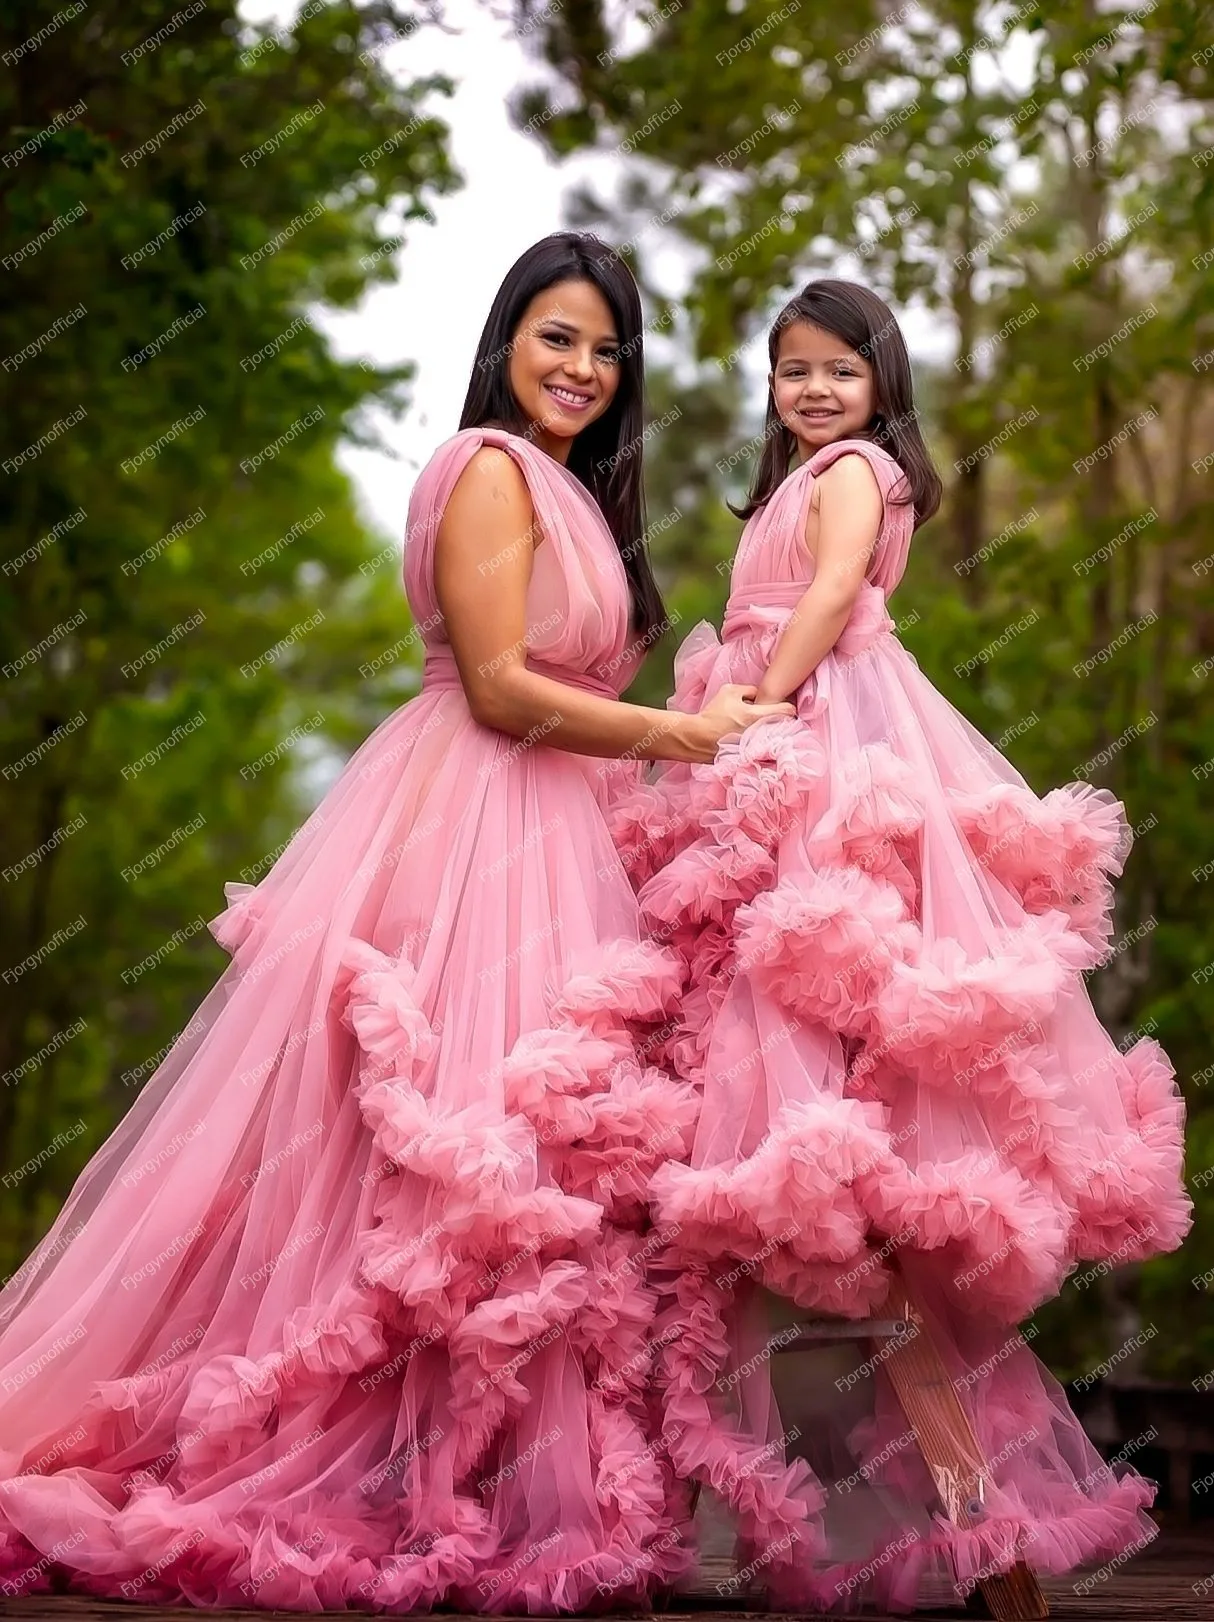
x=885 y=933
x=351 y=1311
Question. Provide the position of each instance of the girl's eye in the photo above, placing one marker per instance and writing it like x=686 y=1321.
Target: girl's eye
x=611 y=356
x=556 y=338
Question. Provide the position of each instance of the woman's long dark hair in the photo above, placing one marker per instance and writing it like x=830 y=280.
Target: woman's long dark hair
x=858 y=318
x=607 y=456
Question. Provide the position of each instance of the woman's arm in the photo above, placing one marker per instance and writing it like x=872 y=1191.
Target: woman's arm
x=483 y=561
x=849 y=520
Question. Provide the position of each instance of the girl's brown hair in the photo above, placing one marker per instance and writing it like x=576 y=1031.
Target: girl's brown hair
x=858 y=318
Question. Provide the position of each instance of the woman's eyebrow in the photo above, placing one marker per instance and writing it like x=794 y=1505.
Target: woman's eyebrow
x=568 y=326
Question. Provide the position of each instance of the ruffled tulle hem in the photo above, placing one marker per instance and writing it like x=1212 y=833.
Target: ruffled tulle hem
x=805 y=878
x=905 y=1573
x=159 y=1549
x=1052 y=1524
x=494 y=1235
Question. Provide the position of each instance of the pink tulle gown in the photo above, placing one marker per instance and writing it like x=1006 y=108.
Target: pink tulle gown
x=350 y=1311
x=885 y=931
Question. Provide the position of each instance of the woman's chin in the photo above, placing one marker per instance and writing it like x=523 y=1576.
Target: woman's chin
x=562 y=426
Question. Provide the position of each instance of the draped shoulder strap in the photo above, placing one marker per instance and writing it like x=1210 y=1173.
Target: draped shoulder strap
x=893 y=542
x=563 y=509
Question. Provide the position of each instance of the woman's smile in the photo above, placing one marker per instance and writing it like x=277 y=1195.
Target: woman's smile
x=564 y=368
x=573 y=399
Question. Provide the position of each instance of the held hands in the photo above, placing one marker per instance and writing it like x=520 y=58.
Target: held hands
x=732 y=710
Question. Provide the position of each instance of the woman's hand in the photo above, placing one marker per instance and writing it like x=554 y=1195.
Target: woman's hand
x=731 y=711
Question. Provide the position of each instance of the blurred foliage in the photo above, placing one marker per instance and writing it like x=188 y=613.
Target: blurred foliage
x=247 y=177
x=1036 y=183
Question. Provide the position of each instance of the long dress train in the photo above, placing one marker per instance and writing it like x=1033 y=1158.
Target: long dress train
x=885 y=931
x=350 y=1309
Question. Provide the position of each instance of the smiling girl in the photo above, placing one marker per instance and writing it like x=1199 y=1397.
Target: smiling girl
x=910 y=1109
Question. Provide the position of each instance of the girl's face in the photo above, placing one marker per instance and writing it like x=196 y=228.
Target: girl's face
x=564 y=366
x=822 y=389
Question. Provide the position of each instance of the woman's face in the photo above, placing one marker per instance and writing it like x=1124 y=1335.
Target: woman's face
x=564 y=366
x=822 y=389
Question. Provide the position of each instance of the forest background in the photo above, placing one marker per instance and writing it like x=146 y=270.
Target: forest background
x=200 y=618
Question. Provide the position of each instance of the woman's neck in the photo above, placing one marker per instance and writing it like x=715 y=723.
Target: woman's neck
x=551 y=444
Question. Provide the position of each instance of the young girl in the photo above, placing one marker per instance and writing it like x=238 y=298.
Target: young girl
x=347 y=1313
x=905 y=1087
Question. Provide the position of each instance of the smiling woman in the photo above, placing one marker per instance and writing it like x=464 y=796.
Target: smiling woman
x=565 y=362
x=378 y=1222
x=567 y=322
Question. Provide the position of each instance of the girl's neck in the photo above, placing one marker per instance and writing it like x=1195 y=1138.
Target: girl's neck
x=802 y=452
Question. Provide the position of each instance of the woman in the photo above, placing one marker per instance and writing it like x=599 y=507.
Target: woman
x=348 y=1312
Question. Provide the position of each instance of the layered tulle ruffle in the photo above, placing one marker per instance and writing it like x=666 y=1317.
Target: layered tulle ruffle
x=351 y=1311
x=907 y=1098
x=803 y=868
x=1048 y=1498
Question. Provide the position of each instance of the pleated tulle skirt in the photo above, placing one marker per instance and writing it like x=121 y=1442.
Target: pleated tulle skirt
x=904 y=1088
x=351 y=1310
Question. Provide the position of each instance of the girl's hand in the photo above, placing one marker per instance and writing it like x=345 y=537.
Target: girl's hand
x=732 y=710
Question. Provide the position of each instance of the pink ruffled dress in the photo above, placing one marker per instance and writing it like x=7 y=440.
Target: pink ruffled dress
x=350 y=1310
x=885 y=932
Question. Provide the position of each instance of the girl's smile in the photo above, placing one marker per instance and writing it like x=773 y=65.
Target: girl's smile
x=822 y=390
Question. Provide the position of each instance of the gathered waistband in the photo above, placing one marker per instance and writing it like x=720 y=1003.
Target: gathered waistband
x=441 y=674
x=757 y=609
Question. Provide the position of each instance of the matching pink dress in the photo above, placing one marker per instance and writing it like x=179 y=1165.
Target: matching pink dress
x=350 y=1311
x=885 y=933
x=410 y=1279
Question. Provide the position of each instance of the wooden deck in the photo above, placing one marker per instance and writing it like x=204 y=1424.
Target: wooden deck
x=1157 y=1584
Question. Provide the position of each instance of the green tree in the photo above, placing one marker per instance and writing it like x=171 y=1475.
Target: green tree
x=187 y=593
